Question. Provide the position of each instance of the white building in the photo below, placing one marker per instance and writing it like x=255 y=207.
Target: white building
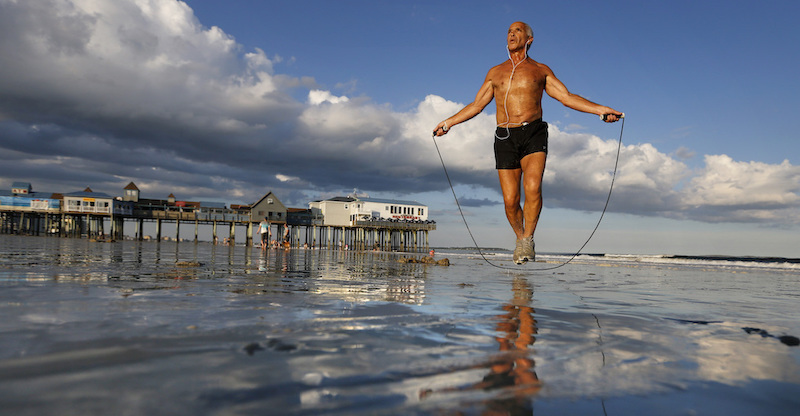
x=88 y=202
x=346 y=211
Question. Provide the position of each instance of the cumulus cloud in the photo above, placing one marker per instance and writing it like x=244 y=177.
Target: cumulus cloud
x=317 y=97
x=99 y=93
x=581 y=166
x=729 y=190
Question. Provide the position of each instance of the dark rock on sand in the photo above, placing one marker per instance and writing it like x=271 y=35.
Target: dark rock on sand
x=425 y=260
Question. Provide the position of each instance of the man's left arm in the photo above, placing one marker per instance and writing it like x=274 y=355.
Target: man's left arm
x=556 y=89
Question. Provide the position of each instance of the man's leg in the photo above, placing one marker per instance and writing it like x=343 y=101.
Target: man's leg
x=510 y=180
x=532 y=172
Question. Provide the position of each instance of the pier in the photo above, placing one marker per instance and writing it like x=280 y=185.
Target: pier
x=102 y=217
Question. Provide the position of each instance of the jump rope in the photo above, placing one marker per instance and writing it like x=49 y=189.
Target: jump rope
x=461 y=211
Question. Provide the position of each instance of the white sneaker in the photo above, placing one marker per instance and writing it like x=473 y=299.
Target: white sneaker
x=518 y=252
x=528 y=252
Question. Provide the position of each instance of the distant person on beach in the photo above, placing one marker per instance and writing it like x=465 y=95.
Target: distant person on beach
x=263 y=229
x=520 y=144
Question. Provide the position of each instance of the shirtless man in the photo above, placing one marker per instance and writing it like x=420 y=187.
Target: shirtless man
x=520 y=145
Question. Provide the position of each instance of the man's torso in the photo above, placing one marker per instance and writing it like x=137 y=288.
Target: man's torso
x=524 y=100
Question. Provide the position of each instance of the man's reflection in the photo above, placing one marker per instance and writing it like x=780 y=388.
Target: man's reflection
x=512 y=370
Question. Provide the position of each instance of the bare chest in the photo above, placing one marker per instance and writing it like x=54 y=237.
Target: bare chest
x=526 y=79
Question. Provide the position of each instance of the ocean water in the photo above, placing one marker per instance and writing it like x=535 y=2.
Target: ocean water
x=146 y=328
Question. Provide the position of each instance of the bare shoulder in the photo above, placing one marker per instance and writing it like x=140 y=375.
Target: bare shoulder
x=497 y=70
x=541 y=67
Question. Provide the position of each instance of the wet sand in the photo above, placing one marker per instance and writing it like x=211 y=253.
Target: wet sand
x=185 y=329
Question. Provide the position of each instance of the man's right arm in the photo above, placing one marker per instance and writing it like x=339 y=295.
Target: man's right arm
x=482 y=99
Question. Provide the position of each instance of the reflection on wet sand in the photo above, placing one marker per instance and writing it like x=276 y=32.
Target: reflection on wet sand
x=349 y=276
x=511 y=378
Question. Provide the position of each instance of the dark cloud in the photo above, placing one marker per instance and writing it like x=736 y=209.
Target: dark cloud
x=475 y=203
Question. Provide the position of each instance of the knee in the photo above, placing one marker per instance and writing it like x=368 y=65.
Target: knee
x=533 y=188
x=511 y=202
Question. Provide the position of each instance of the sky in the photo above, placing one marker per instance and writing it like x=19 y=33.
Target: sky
x=226 y=101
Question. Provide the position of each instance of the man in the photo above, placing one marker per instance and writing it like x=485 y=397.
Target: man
x=517 y=86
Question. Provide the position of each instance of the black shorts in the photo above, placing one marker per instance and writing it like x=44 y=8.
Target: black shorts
x=520 y=142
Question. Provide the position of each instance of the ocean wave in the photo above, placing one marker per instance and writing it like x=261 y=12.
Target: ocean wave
x=721 y=262
x=712 y=261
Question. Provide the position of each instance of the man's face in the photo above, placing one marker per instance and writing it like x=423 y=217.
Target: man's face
x=517 y=36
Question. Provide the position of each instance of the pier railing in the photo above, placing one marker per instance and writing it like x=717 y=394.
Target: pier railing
x=396 y=225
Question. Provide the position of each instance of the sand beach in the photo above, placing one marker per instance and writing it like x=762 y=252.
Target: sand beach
x=146 y=328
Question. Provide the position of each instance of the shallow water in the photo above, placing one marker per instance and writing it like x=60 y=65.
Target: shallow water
x=122 y=328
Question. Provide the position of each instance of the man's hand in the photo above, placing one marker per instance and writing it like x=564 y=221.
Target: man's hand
x=441 y=129
x=612 y=116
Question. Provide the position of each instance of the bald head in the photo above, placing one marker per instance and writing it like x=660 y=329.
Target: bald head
x=522 y=32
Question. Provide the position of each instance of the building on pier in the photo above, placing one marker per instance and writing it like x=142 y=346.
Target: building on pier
x=22 y=209
x=347 y=211
x=21 y=198
x=362 y=222
x=89 y=202
x=269 y=207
